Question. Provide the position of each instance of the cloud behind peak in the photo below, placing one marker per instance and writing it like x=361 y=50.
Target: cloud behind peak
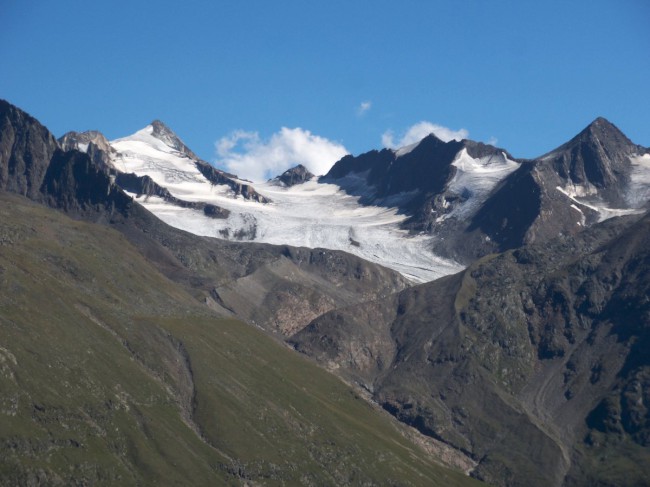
x=252 y=157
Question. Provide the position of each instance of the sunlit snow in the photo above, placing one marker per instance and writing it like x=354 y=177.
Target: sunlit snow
x=475 y=178
x=311 y=214
x=577 y=194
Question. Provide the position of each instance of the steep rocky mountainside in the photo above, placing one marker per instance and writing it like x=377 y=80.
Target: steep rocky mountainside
x=26 y=148
x=111 y=374
x=533 y=361
x=597 y=159
x=581 y=182
x=425 y=168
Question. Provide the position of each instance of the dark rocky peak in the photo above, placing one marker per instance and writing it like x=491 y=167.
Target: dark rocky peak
x=424 y=167
x=93 y=143
x=479 y=149
x=165 y=134
x=296 y=175
x=78 y=140
x=606 y=136
x=26 y=148
x=391 y=172
x=603 y=129
x=374 y=161
x=597 y=159
x=431 y=144
x=430 y=140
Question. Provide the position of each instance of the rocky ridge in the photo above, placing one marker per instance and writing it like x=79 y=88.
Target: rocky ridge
x=581 y=182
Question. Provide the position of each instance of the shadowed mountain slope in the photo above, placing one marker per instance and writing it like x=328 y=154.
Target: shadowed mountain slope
x=533 y=361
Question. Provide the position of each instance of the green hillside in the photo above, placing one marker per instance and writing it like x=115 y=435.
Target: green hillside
x=110 y=374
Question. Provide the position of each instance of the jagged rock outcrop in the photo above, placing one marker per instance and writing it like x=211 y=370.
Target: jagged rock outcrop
x=215 y=176
x=145 y=186
x=93 y=143
x=425 y=169
x=597 y=160
x=26 y=148
x=75 y=184
x=560 y=192
x=296 y=175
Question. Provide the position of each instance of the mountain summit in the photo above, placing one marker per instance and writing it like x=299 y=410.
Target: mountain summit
x=296 y=175
x=596 y=162
x=162 y=132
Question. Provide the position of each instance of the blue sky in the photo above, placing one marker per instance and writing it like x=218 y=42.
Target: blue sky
x=352 y=74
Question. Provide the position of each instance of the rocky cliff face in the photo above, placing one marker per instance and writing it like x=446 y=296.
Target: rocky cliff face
x=145 y=186
x=530 y=361
x=75 y=184
x=597 y=161
x=167 y=135
x=26 y=148
x=92 y=143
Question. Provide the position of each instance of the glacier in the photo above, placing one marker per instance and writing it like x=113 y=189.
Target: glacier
x=311 y=214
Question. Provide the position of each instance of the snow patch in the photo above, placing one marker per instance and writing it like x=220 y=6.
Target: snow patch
x=583 y=219
x=475 y=179
x=579 y=190
x=604 y=212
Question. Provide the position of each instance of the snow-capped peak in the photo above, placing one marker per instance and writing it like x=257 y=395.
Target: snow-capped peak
x=163 y=133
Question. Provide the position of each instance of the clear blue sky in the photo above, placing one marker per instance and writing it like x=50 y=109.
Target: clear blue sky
x=528 y=74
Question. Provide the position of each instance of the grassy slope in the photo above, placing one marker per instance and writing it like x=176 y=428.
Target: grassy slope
x=110 y=373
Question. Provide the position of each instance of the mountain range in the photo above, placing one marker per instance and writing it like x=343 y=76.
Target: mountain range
x=496 y=307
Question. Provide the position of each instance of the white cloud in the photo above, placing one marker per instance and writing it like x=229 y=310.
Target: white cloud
x=419 y=131
x=249 y=156
x=493 y=141
x=364 y=107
